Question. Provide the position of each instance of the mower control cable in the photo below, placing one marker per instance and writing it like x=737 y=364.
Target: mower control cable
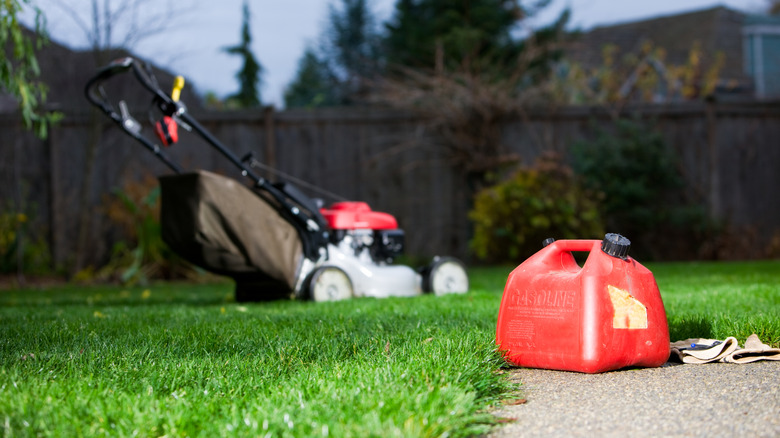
x=253 y=162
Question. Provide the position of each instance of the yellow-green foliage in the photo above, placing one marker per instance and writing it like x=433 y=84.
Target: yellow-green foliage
x=20 y=250
x=511 y=219
x=9 y=223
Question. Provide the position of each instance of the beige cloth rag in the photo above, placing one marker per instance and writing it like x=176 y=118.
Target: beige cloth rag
x=699 y=350
x=754 y=350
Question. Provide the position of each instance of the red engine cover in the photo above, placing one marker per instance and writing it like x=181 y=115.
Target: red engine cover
x=604 y=316
x=357 y=215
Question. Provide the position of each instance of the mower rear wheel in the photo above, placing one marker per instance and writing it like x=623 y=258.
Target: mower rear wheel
x=330 y=283
x=446 y=275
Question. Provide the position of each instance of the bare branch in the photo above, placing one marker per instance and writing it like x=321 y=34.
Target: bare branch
x=77 y=19
x=113 y=24
x=466 y=109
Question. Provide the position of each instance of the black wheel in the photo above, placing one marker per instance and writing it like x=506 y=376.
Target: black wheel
x=446 y=275
x=330 y=283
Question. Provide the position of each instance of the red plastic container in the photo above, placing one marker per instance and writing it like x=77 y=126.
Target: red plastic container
x=603 y=316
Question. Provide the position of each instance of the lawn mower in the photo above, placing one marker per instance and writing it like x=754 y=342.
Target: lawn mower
x=271 y=238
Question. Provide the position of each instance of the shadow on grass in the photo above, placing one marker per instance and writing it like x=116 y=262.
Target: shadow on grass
x=689 y=326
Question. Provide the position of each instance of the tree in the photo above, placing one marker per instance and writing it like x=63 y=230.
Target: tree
x=442 y=34
x=109 y=25
x=19 y=73
x=248 y=76
x=345 y=63
x=353 y=43
x=314 y=85
x=643 y=75
x=467 y=72
x=19 y=69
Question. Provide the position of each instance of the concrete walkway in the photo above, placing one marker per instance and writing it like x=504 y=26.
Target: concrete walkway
x=709 y=400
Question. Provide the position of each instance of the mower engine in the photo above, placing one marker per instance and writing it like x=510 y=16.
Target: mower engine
x=378 y=246
x=371 y=236
x=362 y=247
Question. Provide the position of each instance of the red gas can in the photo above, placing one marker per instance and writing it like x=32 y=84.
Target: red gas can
x=603 y=316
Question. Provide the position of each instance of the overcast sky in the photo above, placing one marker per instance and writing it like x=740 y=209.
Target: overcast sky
x=281 y=29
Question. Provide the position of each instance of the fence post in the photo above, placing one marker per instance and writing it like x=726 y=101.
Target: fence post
x=270 y=139
x=55 y=202
x=714 y=161
x=19 y=207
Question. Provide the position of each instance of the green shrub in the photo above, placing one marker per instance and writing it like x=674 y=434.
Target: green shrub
x=633 y=168
x=511 y=219
x=640 y=178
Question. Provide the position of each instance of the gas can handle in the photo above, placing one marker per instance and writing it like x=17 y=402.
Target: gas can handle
x=574 y=245
x=558 y=254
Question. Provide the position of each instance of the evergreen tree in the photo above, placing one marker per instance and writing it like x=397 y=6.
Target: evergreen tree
x=443 y=34
x=248 y=94
x=314 y=84
x=353 y=44
x=339 y=70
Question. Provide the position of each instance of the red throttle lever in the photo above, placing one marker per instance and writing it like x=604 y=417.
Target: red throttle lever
x=167 y=129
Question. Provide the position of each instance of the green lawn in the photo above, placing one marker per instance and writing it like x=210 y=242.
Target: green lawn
x=717 y=300
x=185 y=360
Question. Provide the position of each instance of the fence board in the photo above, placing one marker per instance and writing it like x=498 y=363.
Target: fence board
x=729 y=157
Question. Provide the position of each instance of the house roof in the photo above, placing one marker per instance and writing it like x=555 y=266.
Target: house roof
x=717 y=29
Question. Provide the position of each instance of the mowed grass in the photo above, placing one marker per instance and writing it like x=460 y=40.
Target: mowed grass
x=717 y=300
x=182 y=360
x=185 y=360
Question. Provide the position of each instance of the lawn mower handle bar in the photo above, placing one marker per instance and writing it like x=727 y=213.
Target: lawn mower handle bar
x=117 y=67
x=172 y=108
x=96 y=95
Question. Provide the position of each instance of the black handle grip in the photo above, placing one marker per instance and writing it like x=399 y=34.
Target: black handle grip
x=120 y=66
x=91 y=89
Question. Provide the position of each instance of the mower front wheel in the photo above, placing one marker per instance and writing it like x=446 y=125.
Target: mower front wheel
x=330 y=283
x=445 y=275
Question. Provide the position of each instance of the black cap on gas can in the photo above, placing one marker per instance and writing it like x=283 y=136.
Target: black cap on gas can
x=616 y=245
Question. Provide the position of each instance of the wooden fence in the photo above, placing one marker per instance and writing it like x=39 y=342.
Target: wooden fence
x=730 y=155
